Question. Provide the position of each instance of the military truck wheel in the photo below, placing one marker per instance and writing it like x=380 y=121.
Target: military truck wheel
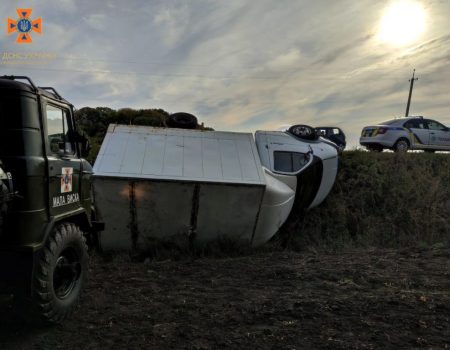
x=61 y=274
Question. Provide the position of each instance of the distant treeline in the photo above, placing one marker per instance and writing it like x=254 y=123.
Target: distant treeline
x=94 y=122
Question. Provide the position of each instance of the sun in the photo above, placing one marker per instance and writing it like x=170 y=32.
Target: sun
x=402 y=23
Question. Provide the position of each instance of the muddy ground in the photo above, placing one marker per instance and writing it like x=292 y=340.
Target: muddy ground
x=278 y=300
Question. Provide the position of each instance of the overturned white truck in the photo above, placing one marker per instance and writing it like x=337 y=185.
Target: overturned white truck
x=159 y=183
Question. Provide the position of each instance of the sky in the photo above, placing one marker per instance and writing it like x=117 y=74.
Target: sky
x=242 y=65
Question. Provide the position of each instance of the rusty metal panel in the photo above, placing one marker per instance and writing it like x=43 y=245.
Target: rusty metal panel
x=113 y=206
x=163 y=210
x=228 y=211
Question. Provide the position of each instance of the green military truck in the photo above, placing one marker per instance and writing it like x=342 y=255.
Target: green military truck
x=46 y=209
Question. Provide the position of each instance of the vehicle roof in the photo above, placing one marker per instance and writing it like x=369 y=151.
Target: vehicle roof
x=144 y=152
x=11 y=84
x=400 y=120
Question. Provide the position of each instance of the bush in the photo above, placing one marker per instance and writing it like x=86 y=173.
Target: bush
x=381 y=200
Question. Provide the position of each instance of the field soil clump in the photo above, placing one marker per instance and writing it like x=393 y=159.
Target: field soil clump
x=360 y=299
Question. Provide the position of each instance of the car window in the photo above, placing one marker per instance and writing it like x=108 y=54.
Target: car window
x=58 y=131
x=415 y=124
x=434 y=125
x=289 y=162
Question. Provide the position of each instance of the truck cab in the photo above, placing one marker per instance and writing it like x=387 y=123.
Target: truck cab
x=48 y=189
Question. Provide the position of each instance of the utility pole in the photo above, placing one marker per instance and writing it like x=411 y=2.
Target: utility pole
x=411 y=86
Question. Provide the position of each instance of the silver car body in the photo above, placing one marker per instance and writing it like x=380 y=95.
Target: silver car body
x=420 y=133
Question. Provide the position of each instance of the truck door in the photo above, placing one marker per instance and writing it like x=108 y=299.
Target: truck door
x=64 y=165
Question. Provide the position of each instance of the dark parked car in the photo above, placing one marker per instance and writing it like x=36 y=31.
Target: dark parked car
x=333 y=134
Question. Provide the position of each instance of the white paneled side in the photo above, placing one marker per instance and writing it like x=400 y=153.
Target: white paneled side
x=113 y=154
x=173 y=156
x=231 y=167
x=212 y=165
x=246 y=158
x=143 y=152
x=134 y=155
x=193 y=162
x=154 y=155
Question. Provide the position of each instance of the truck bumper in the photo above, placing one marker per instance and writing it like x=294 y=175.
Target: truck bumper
x=16 y=270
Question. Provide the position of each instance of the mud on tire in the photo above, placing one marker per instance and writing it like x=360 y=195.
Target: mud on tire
x=60 y=275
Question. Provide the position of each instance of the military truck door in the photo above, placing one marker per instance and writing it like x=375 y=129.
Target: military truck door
x=64 y=165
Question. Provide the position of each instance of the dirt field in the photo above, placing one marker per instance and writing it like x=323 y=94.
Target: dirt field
x=280 y=300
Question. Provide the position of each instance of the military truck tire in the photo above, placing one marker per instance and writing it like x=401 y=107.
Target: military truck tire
x=182 y=120
x=61 y=274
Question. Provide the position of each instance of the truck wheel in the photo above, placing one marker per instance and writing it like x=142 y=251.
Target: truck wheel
x=182 y=120
x=61 y=273
x=402 y=145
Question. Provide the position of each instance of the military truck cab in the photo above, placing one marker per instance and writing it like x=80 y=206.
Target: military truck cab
x=45 y=199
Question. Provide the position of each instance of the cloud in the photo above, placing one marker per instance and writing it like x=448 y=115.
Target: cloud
x=240 y=65
x=96 y=21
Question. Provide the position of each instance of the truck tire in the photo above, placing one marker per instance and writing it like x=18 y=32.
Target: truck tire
x=61 y=273
x=402 y=145
x=182 y=121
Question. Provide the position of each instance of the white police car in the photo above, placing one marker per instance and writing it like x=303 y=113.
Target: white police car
x=408 y=133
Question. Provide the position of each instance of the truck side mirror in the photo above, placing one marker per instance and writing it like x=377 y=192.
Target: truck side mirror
x=85 y=147
x=83 y=143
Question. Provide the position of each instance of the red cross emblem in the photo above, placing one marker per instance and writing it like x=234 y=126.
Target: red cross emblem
x=24 y=26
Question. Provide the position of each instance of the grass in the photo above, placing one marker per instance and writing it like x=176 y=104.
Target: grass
x=384 y=200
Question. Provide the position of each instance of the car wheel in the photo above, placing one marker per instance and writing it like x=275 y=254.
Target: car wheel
x=61 y=274
x=402 y=145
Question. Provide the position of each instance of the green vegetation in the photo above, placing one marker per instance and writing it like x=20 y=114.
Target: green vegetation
x=379 y=200
x=94 y=122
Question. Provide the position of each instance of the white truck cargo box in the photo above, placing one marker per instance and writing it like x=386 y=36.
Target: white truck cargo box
x=159 y=183
x=156 y=183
